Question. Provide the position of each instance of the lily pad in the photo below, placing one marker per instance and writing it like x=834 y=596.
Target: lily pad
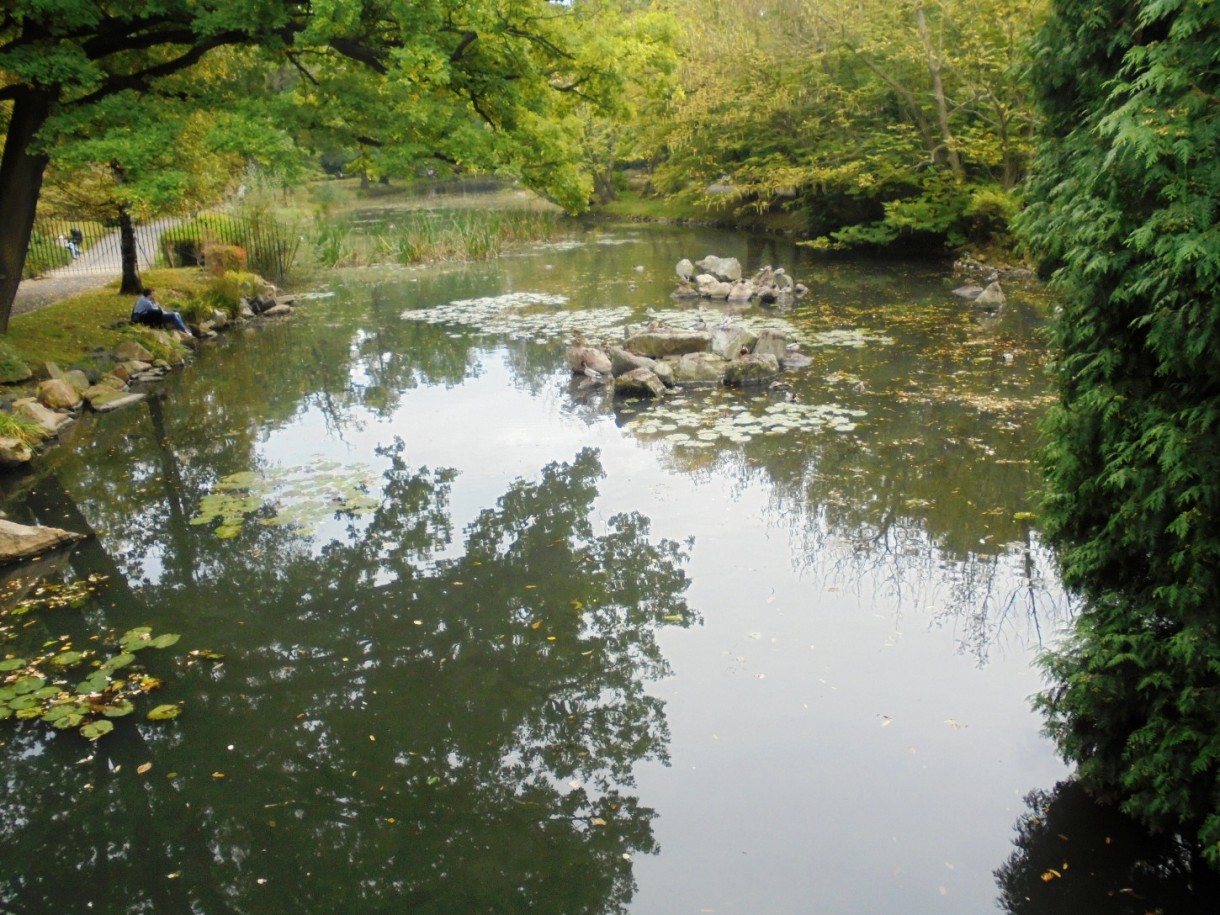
x=95 y=729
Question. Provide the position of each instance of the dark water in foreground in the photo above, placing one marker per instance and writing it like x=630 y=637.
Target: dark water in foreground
x=494 y=643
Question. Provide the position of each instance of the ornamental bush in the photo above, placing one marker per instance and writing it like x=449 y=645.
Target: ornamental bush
x=1123 y=209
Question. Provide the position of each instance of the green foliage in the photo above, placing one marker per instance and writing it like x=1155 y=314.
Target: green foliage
x=226 y=292
x=183 y=245
x=874 y=123
x=1124 y=210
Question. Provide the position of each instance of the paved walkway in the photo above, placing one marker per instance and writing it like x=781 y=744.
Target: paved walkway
x=92 y=270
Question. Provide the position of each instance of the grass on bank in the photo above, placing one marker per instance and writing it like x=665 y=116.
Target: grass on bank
x=70 y=331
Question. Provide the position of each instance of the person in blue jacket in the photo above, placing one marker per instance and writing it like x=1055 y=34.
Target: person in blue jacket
x=147 y=311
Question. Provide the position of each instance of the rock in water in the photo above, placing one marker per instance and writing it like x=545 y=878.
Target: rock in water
x=19 y=541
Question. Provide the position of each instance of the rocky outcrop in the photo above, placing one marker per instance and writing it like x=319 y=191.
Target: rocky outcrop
x=20 y=541
x=721 y=278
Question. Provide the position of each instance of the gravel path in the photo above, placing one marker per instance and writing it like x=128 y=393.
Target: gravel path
x=35 y=294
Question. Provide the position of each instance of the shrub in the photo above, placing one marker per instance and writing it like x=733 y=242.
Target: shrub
x=184 y=245
x=226 y=292
x=219 y=259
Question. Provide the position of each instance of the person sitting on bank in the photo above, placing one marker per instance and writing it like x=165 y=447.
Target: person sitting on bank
x=147 y=311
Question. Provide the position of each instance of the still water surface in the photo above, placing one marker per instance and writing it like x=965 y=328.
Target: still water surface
x=495 y=642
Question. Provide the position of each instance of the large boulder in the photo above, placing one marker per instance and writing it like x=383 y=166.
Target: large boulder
x=750 y=370
x=728 y=342
x=723 y=268
x=771 y=342
x=659 y=343
x=685 y=269
x=19 y=541
x=78 y=379
x=639 y=383
x=699 y=368
x=741 y=291
x=58 y=394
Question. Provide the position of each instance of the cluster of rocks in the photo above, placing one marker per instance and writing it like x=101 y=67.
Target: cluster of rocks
x=658 y=357
x=62 y=395
x=721 y=278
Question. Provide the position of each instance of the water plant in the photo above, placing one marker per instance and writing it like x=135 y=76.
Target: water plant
x=299 y=496
x=64 y=686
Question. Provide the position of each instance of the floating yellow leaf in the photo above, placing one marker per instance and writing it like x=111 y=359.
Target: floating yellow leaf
x=536 y=624
x=1050 y=875
x=218 y=775
x=577 y=605
x=598 y=821
x=144 y=767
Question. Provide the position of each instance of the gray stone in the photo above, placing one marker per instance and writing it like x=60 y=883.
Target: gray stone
x=658 y=343
x=969 y=292
x=130 y=350
x=728 y=342
x=992 y=298
x=118 y=402
x=58 y=394
x=622 y=361
x=14 y=453
x=771 y=342
x=723 y=268
x=699 y=368
x=749 y=370
x=742 y=291
x=685 y=269
x=136 y=366
x=685 y=291
x=18 y=541
x=710 y=287
x=77 y=379
x=795 y=360
x=639 y=382
x=277 y=311
x=51 y=370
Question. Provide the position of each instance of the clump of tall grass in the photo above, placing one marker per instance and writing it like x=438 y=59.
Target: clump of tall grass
x=21 y=428
x=430 y=237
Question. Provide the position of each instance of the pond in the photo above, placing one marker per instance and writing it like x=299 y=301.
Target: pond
x=461 y=633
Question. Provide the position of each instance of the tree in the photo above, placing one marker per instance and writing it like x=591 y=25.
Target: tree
x=494 y=84
x=872 y=122
x=1124 y=210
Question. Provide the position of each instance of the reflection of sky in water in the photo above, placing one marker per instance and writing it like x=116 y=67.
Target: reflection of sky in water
x=837 y=745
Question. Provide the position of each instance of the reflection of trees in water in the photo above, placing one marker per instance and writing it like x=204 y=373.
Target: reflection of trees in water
x=410 y=730
x=1075 y=856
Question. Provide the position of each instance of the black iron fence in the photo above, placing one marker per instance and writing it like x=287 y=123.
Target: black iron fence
x=257 y=242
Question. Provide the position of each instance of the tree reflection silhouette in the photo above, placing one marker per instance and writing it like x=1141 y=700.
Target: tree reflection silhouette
x=393 y=729
x=1074 y=855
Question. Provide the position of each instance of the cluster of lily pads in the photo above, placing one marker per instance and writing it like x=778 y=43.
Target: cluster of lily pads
x=688 y=424
x=299 y=496
x=526 y=315
x=44 y=684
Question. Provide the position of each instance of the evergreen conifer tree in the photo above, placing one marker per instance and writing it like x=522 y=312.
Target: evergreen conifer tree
x=1124 y=209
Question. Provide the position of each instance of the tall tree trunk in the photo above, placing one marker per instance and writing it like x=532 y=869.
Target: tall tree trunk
x=21 y=174
x=932 y=53
x=127 y=252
